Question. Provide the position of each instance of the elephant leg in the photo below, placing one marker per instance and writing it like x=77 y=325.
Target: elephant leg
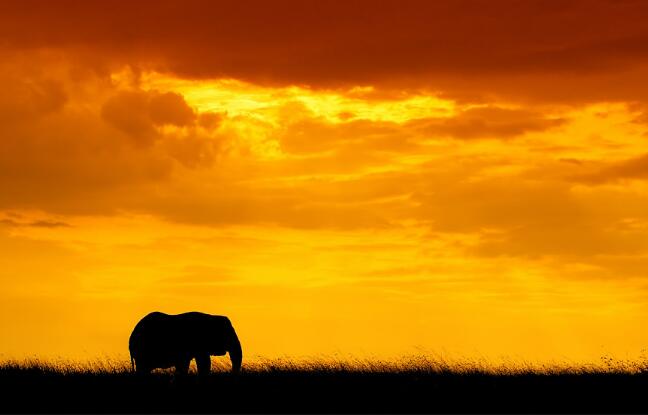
x=141 y=367
x=182 y=366
x=203 y=362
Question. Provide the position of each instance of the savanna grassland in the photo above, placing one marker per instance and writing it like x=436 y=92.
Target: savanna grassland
x=413 y=385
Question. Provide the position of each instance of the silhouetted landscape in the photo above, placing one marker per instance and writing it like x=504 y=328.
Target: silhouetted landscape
x=414 y=385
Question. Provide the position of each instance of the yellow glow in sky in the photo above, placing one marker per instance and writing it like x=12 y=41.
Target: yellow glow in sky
x=356 y=221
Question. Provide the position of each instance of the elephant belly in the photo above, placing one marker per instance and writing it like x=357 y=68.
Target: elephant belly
x=159 y=356
x=160 y=360
x=147 y=363
x=218 y=352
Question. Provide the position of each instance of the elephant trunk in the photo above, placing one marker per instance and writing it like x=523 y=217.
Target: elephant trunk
x=236 y=353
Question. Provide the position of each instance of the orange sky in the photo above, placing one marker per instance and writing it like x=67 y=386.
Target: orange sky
x=465 y=177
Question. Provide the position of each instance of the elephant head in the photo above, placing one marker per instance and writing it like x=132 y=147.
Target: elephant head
x=222 y=338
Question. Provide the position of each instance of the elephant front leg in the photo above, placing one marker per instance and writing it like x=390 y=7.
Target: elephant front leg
x=182 y=366
x=204 y=364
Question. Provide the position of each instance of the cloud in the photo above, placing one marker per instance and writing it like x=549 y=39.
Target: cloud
x=74 y=141
x=304 y=133
x=488 y=122
x=22 y=100
x=36 y=223
x=49 y=224
x=524 y=216
x=138 y=113
x=112 y=146
x=428 y=157
x=474 y=48
x=633 y=168
x=283 y=207
x=170 y=109
x=313 y=135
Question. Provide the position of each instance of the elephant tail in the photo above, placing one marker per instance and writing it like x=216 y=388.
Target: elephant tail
x=132 y=362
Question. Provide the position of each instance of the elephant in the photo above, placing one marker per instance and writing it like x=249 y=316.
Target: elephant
x=162 y=340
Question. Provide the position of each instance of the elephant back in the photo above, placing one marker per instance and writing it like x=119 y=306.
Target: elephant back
x=202 y=332
x=160 y=333
x=153 y=332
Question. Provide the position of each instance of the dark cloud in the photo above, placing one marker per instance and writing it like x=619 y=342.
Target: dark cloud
x=551 y=50
x=23 y=99
x=128 y=113
x=633 y=168
x=138 y=113
x=67 y=145
x=36 y=223
x=364 y=137
x=488 y=122
x=48 y=224
x=170 y=109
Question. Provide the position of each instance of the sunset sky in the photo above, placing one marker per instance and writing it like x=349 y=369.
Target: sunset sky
x=362 y=178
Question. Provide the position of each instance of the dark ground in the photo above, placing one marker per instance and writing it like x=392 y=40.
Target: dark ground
x=283 y=386
x=311 y=391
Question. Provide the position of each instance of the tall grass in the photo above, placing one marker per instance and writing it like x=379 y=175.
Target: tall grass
x=428 y=364
x=65 y=366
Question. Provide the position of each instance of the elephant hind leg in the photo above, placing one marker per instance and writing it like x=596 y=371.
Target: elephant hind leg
x=203 y=362
x=141 y=367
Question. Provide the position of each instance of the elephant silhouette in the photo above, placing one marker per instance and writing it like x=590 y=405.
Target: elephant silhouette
x=162 y=340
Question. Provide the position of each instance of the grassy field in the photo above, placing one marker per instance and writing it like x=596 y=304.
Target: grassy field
x=328 y=386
